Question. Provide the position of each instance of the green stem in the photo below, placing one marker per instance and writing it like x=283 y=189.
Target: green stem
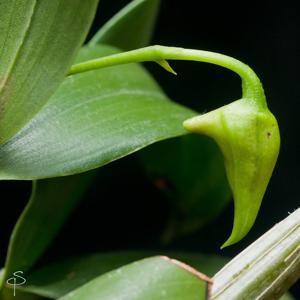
x=252 y=88
x=266 y=269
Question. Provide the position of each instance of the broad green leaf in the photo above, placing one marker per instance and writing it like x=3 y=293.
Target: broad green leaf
x=148 y=279
x=130 y=28
x=190 y=171
x=38 y=41
x=94 y=118
x=51 y=202
x=60 y=278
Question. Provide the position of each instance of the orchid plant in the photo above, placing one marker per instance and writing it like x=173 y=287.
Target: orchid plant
x=67 y=109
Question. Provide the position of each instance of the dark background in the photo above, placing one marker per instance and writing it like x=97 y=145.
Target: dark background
x=265 y=36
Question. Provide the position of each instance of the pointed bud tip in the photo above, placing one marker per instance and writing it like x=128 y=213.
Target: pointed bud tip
x=203 y=124
x=190 y=124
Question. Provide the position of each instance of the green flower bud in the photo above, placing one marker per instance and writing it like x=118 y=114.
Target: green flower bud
x=245 y=130
x=249 y=138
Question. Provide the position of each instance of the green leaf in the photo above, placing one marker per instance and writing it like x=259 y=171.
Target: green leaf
x=57 y=279
x=190 y=171
x=94 y=118
x=38 y=42
x=148 y=279
x=51 y=202
x=130 y=28
x=60 y=278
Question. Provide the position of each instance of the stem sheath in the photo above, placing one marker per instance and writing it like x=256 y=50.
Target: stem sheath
x=267 y=268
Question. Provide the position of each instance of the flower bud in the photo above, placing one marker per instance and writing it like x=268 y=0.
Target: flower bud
x=249 y=139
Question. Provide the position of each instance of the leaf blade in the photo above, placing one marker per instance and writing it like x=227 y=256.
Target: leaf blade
x=148 y=279
x=39 y=41
x=94 y=118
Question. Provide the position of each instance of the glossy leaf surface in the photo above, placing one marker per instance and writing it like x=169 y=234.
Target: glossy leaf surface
x=131 y=27
x=148 y=279
x=94 y=118
x=38 y=42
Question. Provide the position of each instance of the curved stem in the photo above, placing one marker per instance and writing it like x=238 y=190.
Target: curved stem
x=252 y=88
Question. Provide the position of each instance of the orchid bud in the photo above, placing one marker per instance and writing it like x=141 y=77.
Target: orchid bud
x=249 y=139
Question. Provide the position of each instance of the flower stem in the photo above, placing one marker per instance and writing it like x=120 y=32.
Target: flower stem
x=267 y=268
x=252 y=88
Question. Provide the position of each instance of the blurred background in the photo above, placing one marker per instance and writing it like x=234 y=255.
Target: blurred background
x=140 y=213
